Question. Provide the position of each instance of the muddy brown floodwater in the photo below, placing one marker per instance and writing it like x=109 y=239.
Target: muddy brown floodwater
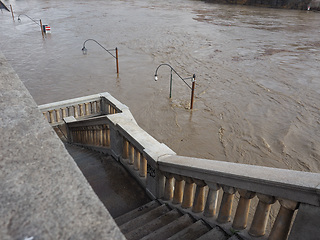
x=257 y=91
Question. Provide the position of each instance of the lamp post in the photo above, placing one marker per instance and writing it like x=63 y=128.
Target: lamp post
x=12 y=12
x=35 y=21
x=193 y=80
x=84 y=50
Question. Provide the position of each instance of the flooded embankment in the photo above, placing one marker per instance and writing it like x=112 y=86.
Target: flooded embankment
x=257 y=87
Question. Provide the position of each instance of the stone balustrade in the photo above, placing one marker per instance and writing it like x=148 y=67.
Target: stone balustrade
x=80 y=108
x=217 y=192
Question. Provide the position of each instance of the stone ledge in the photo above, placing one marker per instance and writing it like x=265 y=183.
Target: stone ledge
x=43 y=194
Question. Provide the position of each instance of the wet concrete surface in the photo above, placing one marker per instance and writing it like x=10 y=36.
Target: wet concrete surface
x=115 y=187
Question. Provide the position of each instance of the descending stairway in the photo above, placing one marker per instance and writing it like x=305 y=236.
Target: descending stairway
x=137 y=216
x=158 y=221
x=115 y=187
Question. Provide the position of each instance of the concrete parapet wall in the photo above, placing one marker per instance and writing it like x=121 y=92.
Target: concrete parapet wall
x=43 y=194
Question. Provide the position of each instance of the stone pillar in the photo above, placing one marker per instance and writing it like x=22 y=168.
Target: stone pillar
x=188 y=193
x=281 y=226
x=125 y=153
x=51 y=117
x=226 y=204
x=212 y=200
x=131 y=154
x=81 y=109
x=58 y=115
x=143 y=166
x=136 y=165
x=241 y=218
x=86 y=109
x=199 y=198
x=178 y=190
x=260 y=219
x=169 y=186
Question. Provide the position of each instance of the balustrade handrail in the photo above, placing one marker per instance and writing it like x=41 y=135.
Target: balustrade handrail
x=283 y=183
x=69 y=102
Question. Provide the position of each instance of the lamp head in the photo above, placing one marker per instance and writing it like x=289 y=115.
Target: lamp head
x=156 y=77
x=84 y=50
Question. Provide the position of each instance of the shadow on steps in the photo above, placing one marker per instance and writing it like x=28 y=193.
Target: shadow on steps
x=115 y=187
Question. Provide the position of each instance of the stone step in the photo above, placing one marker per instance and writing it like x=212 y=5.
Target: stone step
x=136 y=212
x=144 y=219
x=214 y=233
x=153 y=225
x=192 y=232
x=170 y=229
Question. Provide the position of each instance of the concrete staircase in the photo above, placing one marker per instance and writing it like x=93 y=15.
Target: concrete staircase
x=155 y=220
x=137 y=216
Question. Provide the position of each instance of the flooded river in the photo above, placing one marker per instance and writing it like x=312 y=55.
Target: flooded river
x=257 y=71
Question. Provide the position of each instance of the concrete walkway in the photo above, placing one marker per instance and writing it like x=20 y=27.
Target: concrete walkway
x=43 y=194
x=116 y=188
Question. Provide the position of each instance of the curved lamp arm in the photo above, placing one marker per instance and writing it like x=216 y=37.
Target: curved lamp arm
x=85 y=50
x=172 y=69
x=19 y=19
x=193 y=80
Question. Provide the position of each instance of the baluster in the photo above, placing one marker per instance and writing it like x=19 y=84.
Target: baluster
x=64 y=114
x=87 y=134
x=136 y=165
x=97 y=130
x=199 y=198
x=131 y=154
x=91 y=107
x=98 y=106
x=86 y=109
x=58 y=115
x=125 y=153
x=94 y=139
x=168 y=190
x=75 y=111
x=281 y=226
x=260 y=219
x=101 y=135
x=178 y=190
x=91 y=136
x=241 y=218
x=96 y=135
x=226 y=204
x=81 y=109
x=143 y=166
x=108 y=136
x=212 y=200
x=51 y=116
x=68 y=111
x=188 y=193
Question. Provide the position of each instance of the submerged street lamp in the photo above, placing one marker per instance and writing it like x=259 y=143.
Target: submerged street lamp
x=35 y=21
x=84 y=50
x=193 y=80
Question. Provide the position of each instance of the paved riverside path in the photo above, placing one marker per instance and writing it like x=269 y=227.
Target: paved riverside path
x=116 y=188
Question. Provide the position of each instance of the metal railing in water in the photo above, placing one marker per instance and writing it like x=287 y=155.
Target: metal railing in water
x=220 y=193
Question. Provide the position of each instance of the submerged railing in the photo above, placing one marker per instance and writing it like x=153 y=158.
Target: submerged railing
x=207 y=189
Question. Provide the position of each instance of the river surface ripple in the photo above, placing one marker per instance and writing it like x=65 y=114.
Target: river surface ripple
x=257 y=91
